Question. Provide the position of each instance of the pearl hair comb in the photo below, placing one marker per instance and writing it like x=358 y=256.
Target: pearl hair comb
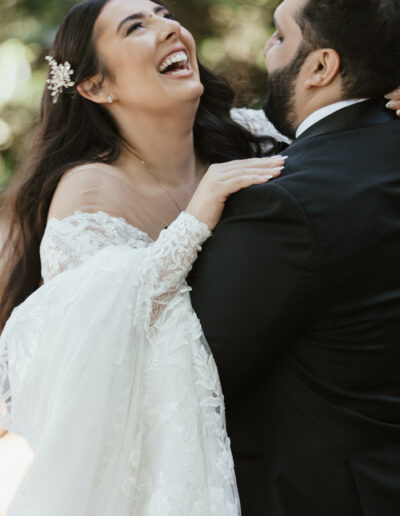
x=60 y=77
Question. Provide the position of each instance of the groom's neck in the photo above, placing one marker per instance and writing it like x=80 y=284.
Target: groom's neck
x=310 y=100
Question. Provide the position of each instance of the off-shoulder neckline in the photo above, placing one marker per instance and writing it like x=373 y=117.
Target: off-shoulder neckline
x=103 y=214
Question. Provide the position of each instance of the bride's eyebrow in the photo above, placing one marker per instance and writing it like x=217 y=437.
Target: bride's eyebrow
x=140 y=16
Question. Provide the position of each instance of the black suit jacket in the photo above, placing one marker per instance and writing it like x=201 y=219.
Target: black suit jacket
x=298 y=292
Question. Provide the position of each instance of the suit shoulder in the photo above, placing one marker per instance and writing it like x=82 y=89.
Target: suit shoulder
x=272 y=197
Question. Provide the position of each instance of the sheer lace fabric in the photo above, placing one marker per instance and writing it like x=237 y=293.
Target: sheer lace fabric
x=257 y=123
x=122 y=407
x=106 y=373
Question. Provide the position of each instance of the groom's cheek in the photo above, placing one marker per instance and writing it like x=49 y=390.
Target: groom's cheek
x=273 y=60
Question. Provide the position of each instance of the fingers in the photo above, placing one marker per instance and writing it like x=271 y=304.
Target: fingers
x=221 y=169
x=255 y=162
x=274 y=161
x=247 y=172
x=239 y=183
x=393 y=95
x=394 y=105
x=394 y=101
x=223 y=179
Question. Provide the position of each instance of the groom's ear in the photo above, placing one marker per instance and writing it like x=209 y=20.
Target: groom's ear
x=323 y=68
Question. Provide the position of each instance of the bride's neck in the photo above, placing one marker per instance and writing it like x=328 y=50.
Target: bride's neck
x=165 y=145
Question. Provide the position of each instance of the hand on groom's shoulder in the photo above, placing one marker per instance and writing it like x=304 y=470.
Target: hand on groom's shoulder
x=260 y=269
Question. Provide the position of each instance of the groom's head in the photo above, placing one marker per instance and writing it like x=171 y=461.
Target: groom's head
x=324 y=51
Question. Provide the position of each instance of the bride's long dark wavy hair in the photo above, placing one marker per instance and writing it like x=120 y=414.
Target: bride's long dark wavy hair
x=75 y=131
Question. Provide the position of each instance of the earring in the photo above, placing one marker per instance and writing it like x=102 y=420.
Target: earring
x=110 y=100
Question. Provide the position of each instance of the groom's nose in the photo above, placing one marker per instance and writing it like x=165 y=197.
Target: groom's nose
x=267 y=47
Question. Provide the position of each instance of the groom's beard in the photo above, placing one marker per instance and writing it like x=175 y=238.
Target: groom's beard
x=279 y=105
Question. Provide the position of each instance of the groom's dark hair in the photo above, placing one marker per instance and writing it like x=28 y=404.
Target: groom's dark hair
x=366 y=35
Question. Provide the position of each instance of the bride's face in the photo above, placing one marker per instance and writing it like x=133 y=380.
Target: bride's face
x=151 y=57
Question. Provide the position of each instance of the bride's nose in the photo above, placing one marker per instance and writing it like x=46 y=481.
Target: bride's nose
x=169 y=29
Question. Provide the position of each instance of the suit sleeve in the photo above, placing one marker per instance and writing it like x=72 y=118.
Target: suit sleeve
x=255 y=285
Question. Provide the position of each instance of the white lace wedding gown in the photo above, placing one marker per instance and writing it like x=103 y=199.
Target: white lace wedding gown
x=104 y=370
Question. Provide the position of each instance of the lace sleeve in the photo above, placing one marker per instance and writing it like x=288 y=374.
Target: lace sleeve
x=69 y=242
x=91 y=382
x=164 y=263
x=169 y=261
x=256 y=122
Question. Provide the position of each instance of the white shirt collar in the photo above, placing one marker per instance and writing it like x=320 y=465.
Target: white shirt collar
x=323 y=113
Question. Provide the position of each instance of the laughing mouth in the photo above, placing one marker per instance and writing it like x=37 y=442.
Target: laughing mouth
x=175 y=63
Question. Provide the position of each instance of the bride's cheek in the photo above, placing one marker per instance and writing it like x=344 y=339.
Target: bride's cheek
x=189 y=40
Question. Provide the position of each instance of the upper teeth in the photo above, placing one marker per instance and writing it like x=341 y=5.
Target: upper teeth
x=179 y=57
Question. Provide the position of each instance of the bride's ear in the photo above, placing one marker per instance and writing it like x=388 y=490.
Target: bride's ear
x=93 y=89
x=323 y=68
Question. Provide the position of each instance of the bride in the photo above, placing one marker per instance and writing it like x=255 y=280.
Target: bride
x=103 y=366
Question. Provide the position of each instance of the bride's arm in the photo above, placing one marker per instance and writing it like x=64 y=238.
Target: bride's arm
x=75 y=349
x=165 y=263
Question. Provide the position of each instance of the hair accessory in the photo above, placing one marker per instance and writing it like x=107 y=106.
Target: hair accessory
x=60 y=77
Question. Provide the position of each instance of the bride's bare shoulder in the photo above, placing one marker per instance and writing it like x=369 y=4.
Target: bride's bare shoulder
x=91 y=187
x=91 y=175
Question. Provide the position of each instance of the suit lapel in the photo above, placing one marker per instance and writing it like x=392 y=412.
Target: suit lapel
x=363 y=114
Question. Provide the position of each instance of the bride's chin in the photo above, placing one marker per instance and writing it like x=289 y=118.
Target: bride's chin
x=194 y=88
x=198 y=90
x=188 y=92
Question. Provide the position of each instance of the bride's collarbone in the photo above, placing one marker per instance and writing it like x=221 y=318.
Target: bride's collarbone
x=131 y=195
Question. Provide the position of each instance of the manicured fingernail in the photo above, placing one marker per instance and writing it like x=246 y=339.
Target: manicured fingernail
x=267 y=178
x=278 y=169
x=391 y=104
x=395 y=93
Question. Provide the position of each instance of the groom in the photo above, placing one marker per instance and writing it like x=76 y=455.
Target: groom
x=298 y=290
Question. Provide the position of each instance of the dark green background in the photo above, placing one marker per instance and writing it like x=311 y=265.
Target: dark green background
x=230 y=36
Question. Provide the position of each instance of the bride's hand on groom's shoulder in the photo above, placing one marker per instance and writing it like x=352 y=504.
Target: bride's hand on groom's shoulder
x=223 y=179
x=394 y=101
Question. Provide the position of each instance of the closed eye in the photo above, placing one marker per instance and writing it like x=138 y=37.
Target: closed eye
x=169 y=16
x=138 y=25
x=134 y=27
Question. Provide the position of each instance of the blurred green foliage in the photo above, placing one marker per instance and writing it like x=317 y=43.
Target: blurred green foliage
x=230 y=34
